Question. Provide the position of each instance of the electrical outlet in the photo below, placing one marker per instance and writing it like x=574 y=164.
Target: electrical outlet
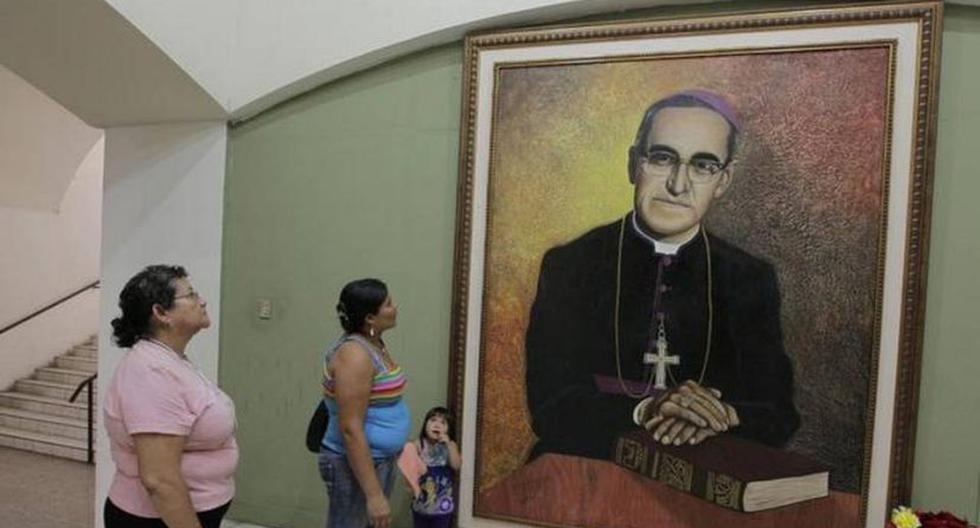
x=265 y=309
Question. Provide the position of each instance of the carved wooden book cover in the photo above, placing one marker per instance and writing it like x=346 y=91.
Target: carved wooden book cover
x=726 y=470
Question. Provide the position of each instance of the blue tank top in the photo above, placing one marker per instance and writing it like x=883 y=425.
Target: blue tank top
x=386 y=420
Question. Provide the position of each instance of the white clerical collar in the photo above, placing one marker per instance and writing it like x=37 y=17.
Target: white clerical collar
x=662 y=248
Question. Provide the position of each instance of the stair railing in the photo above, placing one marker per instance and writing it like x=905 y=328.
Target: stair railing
x=87 y=384
x=40 y=311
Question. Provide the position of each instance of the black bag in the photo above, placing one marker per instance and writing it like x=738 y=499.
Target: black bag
x=317 y=427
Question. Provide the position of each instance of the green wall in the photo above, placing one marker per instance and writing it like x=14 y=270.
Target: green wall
x=947 y=468
x=358 y=179
x=354 y=180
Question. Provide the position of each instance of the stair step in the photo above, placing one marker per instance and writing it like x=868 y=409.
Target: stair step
x=85 y=351
x=41 y=404
x=77 y=363
x=51 y=389
x=42 y=443
x=43 y=423
x=61 y=375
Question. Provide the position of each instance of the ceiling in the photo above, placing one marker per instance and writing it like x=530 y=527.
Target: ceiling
x=132 y=62
x=41 y=146
x=127 y=62
x=91 y=60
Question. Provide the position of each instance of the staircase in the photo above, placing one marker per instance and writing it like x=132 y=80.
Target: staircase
x=35 y=414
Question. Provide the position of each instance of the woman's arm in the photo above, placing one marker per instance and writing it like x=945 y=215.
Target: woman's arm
x=158 y=457
x=353 y=373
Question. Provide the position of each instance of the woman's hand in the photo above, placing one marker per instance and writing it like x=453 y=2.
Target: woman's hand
x=379 y=512
x=455 y=459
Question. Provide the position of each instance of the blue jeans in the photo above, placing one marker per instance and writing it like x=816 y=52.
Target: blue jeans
x=347 y=506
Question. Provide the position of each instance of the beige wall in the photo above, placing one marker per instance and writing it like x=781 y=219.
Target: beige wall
x=44 y=255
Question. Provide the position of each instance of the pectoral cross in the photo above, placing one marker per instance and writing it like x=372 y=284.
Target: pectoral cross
x=661 y=359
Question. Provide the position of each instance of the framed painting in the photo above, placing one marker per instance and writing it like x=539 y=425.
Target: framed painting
x=693 y=230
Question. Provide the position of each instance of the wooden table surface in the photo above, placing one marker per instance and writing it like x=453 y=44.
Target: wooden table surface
x=558 y=490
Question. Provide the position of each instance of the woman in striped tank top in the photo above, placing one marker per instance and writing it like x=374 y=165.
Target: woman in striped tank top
x=369 y=420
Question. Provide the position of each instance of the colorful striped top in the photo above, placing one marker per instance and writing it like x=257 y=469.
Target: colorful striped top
x=386 y=420
x=386 y=387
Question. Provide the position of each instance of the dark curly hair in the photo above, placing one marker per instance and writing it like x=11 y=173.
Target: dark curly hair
x=447 y=415
x=153 y=285
x=358 y=300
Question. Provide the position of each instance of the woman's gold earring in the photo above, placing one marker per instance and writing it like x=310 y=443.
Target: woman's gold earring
x=371 y=331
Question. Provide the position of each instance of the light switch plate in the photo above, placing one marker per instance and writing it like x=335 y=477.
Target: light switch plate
x=265 y=309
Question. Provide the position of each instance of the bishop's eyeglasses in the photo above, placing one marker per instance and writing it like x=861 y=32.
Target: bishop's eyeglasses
x=700 y=168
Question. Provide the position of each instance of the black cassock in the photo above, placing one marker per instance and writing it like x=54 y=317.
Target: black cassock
x=574 y=393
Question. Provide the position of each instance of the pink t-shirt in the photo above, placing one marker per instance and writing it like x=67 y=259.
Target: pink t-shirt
x=156 y=391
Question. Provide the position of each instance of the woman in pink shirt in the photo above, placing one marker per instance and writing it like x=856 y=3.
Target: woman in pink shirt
x=171 y=430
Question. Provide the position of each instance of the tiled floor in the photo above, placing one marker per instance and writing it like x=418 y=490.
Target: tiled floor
x=38 y=491
x=235 y=524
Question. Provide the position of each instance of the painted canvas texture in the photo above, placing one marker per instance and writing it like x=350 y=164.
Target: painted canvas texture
x=807 y=196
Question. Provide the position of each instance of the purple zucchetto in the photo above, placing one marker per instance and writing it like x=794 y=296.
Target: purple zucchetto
x=710 y=99
x=693 y=98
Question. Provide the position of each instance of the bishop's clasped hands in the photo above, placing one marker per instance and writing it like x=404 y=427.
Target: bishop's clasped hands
x=687 y=414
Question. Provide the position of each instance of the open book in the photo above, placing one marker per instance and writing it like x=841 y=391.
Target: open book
x=726 y=470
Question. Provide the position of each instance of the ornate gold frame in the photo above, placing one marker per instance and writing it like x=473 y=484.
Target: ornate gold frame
x=927 y=16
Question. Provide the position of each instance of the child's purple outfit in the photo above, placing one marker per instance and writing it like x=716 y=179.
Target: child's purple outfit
x=434 y=507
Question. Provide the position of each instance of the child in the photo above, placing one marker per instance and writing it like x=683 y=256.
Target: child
x=433 y=507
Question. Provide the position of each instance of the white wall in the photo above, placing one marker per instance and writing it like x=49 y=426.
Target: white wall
x=252 y=54
x=162 y=203
x=46 y=255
